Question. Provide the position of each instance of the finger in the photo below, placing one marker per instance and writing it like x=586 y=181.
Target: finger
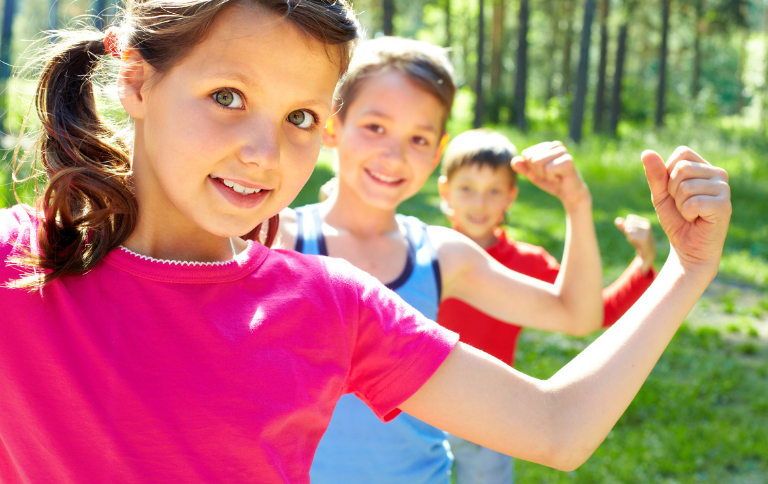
x=683 y=153
x=638 y=220
x=545 y=146
x=709 y=208
x=542 y=162
x=521 y=165
x=687 y=170
x=656 y=173
x=698 y=187
x=619 y=222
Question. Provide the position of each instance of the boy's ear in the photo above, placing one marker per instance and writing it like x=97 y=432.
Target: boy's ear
x=513 y=192
x=132 y=82
x=441 y=148
x=330 y=133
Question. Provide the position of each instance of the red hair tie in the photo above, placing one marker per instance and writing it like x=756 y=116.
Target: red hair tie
x=112 y=43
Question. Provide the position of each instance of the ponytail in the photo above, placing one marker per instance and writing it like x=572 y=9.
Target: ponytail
x=88 y=207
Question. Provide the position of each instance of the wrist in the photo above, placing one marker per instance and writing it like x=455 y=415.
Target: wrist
x=583 y=202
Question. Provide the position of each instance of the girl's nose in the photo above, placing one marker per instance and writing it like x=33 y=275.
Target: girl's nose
x=261 y=146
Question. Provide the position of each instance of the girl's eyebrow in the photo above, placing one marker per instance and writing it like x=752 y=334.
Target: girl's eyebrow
x=426 y=127
x=232 y=76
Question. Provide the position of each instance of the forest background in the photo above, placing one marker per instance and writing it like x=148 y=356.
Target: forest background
x=610 y=78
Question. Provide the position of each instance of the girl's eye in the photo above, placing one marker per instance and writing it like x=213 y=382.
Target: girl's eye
x=375 y=128
x=228 y=98
x=302 y=119
x=420 y=141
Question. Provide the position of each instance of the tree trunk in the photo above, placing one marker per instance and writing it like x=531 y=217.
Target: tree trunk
x=6 y=36
x=549 y=90
x=662 y=63
x=740 y=70
x=497 y=42
x=600 y=94
x=388 y=7
x=699 y=29
x=478 y=121
x=101 y=14
x=570 y=11
x=448 y=24
x=579 y=101
x=621 y=50
x=521 y=71
x=765 y=76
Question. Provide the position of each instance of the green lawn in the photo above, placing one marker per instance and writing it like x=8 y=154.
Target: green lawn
x=703 y=413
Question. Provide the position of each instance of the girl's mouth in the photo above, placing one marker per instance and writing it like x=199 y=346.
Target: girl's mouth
x=383 y=179
x=238 y=194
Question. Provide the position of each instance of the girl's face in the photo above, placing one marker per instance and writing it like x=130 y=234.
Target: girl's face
x=388 y=143
x=228 y=136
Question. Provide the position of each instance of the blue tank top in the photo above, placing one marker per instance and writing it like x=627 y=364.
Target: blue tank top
x=358 y=447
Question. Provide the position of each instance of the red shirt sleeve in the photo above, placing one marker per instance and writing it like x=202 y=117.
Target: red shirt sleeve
x=625 y=291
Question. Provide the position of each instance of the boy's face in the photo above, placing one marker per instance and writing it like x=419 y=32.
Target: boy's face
x=389 y=141
x=478 y=197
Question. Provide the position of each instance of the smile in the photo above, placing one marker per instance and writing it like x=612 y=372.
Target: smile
x=236 y=187
x=380 y=177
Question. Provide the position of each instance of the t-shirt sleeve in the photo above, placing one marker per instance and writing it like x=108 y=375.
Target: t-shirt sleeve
x=396 y=349
x=625 y=291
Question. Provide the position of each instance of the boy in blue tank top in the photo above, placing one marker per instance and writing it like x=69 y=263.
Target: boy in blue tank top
x=389 y=134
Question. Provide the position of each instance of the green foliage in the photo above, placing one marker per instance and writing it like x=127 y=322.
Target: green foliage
x=700 y=417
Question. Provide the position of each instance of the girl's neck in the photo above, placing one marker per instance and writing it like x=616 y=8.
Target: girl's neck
x=347 y=211
x=178 y=244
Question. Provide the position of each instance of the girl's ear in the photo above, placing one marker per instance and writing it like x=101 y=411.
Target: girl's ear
x=443 y=187
x=441 y=148
x=132 y=83
x=330 y=132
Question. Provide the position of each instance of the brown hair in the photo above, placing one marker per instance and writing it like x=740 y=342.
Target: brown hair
x=424 y=63
x=88 y=207
x=479 y=147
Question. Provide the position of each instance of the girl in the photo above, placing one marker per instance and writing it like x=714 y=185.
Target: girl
x=388 y=134
x=159 y=346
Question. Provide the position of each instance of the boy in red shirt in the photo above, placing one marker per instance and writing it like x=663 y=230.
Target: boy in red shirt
x=478 y=187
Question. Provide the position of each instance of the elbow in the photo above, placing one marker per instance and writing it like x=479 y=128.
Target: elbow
x=566 y=455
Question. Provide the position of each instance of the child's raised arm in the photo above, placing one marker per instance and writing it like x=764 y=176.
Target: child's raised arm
x=559 y=422
x=573 y=305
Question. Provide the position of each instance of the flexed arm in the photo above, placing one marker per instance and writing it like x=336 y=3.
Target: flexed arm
x=559 y=422
x=573 y=305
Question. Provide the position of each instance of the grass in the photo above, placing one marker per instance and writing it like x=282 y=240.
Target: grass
x=702 y=414
x=700 y=417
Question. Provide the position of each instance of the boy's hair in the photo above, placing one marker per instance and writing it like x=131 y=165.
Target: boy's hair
x=423 y=63
x=88 y=207
x=479 y=147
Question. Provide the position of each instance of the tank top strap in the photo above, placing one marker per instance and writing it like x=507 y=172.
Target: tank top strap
x=425 y=276
x=309 y=233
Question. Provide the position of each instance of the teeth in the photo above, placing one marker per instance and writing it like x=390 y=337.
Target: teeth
x=238 y=188
x=384 y=178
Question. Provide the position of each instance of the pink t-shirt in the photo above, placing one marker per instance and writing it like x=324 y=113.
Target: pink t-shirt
x=152 y=371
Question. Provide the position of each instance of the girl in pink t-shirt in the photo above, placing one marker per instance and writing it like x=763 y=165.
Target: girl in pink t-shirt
x=149 y=336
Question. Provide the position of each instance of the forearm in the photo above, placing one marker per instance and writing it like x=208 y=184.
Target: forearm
x=592 y=391
x=579 y=283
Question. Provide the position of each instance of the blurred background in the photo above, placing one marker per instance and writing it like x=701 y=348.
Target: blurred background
x=610 y=78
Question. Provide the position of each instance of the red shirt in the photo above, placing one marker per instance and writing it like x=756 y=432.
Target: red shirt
x=498 y=338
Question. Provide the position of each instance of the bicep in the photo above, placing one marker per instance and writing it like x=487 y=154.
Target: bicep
x=479 y=398
x=479 y=280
